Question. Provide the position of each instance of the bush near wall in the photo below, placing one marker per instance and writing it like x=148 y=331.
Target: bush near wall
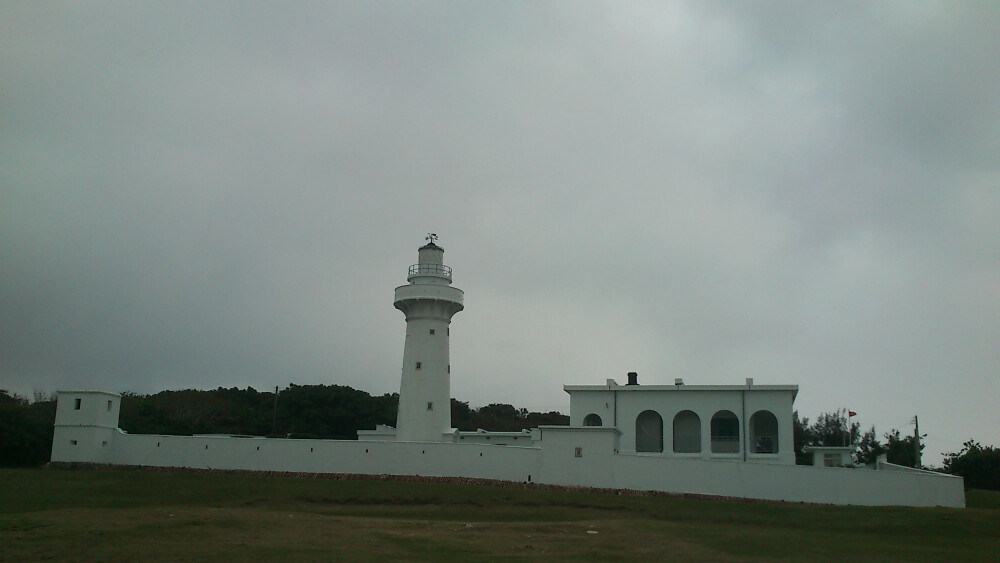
x=25 y=430
x=978 y=464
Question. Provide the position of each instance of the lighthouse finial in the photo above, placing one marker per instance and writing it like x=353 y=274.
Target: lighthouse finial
x=431 y=237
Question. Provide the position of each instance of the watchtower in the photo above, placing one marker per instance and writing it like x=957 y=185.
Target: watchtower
x=86 y=422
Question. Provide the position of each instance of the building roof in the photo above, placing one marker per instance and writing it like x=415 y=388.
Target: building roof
x=612 y=386
x=90 y=392
x=830 y=449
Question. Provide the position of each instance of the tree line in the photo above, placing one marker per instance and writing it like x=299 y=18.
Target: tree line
x=979 y=465
x=338 y=412
x=833 y=429
x=333 y=412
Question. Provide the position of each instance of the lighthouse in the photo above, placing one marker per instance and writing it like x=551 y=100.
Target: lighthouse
x=429 y=302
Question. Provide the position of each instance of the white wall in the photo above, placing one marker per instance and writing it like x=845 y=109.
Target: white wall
x=601 y=467
x=555 y=460
x=796 y=483
x=97 y=408
x=625 y=403
x=87 y=444
x=85 y=434
x=327 y=456
x=590 y=466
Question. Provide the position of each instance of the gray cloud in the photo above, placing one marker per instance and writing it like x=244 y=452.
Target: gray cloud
x=200 y=195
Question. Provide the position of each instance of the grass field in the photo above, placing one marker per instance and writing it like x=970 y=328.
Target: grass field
x=87 y=515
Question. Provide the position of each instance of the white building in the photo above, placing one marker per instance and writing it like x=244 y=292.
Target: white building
x=724 y=422
x=723 y=440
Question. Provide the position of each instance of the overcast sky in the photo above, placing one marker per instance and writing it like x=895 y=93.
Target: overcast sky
x=206 y=194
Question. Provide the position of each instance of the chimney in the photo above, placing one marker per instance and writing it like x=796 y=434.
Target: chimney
x=749 y=382
x=678 y=381
x=633 y=378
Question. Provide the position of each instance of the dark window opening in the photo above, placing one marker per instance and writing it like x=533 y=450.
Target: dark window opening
x=430 y=406
x=76 y=404
x=432 y=331
x=764 y=433
x=687 y=433
x=725 y=432
x=649 y=432
x=418 y=365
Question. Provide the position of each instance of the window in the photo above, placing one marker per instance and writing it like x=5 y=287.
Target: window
x=577 y=452
x=649 y=432
x=76 y=404
x=831 y=460
x=763 y=433
x=725 y=433
x=109 y=406
x=73 y=442
x=418 y=365
x=449 y=368
x=432 y=331
x=592 y=420
x=687 y=433
x=430 y=406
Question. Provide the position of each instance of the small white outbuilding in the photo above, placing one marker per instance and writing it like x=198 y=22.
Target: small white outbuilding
x=831 y=456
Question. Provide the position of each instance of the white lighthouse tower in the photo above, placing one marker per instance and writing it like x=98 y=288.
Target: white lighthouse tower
x=428 y=302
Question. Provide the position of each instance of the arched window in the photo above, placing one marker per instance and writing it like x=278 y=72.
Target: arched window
x=649 y=432
x=687 y=433
x=725 y=433
x=592 y=420
x=763 y=433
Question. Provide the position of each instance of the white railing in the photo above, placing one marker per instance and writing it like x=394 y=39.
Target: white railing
x=430 y=269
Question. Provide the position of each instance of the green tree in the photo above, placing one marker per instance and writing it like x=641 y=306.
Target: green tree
x=830 y=429
x=25 y=430
x=979 y=465
x=869 y=448
x=901 y=450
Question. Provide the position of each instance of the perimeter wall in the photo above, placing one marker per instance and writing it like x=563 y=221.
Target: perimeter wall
x=559 y=455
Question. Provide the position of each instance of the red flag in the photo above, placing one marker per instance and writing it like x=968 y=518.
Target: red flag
x=851 y=413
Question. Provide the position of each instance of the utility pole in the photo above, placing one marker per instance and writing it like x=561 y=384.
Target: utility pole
x=847 y=426
x=916 y=441
x=274 y=421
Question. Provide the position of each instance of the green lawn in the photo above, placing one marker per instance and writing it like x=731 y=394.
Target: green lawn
x=157 y=515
